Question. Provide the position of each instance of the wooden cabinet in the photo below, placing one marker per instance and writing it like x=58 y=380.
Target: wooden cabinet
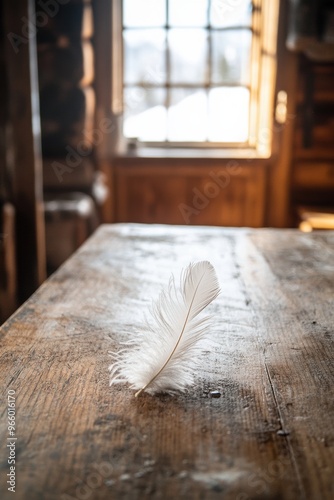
x=190 y=191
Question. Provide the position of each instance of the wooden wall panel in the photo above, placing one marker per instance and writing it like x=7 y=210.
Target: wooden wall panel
x=179 y=192
x=24 y=124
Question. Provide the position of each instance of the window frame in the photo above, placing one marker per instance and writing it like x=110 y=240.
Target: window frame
x=262 y=84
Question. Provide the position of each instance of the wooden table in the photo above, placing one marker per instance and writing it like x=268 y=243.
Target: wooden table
x=269 y=435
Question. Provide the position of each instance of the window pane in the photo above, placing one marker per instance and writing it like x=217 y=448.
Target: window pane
x=188 y=55
x=145 y=114
x=187 y=116
x=230 y=13
x=144 y=13
x=144 y=56
x=228 y=114
x=188 y=13
x=231 y=56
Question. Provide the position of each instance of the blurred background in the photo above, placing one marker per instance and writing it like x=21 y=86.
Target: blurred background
x=204 y=112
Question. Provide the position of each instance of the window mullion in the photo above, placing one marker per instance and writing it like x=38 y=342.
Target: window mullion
x=168 y=79
x=209 y=67
x=117 y=58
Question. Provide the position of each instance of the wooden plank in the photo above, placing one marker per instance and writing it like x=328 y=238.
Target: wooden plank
x=269 y=435
x=25 y=127
x=300 y=362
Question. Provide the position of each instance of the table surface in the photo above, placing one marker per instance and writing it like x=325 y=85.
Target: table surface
x=269 y=435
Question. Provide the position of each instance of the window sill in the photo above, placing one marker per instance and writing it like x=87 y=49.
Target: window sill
x=192 y=153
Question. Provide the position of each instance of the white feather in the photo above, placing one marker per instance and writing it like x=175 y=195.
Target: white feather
x=166 y=355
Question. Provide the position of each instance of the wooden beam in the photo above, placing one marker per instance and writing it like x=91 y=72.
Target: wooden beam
x=278 y=203
x=23 y=100
x=103 y=85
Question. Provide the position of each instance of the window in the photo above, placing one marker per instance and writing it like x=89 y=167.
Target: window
x=193 y=70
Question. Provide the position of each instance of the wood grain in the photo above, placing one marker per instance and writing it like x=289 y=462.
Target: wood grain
x=269 y=435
